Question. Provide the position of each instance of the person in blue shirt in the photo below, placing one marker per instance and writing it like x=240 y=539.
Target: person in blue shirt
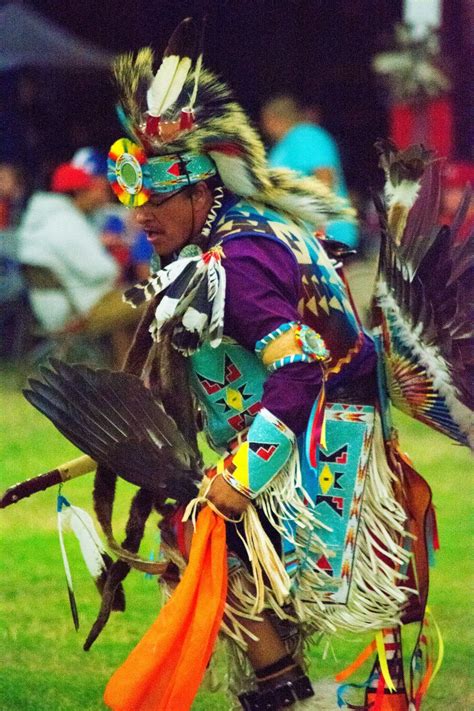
x=141 y=253
x=309 y=149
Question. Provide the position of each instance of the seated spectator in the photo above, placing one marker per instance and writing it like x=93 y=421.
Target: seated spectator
x=57 y=234
x=310 y=150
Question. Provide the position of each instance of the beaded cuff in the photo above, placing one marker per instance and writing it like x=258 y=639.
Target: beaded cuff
x=258 y=460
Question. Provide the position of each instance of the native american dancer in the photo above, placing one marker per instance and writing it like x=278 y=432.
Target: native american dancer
x=312 y=521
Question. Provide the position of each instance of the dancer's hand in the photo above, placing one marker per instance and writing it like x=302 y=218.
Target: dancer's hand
x=226 y=499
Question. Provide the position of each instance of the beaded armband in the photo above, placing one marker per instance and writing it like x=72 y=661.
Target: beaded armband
x=273 y=335
x=288 y=360
x=292 y=342
x=260 y=458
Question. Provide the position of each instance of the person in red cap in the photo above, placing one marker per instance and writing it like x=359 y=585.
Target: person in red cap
x=57 y=233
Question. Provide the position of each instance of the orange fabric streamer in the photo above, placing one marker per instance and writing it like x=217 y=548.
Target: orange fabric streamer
x=348 y=671
x=165 y=670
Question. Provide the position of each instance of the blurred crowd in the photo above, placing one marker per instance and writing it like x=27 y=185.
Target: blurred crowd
x=67 y=253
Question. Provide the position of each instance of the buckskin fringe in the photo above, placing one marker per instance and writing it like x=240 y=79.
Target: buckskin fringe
x=376 y=596
x=285 y=502
x=240 y=605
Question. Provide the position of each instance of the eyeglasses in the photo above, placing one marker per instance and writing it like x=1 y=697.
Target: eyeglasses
x=155 y=201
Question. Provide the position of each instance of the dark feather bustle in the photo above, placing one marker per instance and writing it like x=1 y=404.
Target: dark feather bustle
x=425 y=291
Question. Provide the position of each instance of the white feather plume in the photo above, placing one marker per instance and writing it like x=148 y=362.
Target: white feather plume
x=197 y=72
x=92 y=549
x=61 y=509
x=167 y=83
x=405 y=193
x=216 y=325
x=67 y=567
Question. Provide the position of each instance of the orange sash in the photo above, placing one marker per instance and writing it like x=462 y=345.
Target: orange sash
x=165 y=670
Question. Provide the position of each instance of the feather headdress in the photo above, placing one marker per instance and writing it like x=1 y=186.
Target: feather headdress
x=184 y=109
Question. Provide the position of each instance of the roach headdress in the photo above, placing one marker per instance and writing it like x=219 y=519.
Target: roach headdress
x=185 y=126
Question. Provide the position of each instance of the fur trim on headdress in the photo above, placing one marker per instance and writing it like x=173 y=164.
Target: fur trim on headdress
x=199 y=115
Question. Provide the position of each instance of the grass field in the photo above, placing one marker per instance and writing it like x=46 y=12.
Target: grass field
x=43 y=666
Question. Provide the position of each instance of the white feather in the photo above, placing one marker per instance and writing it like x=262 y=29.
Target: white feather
x=197 y=73
x=166 y=276
x=216 y=326
x=167 y=83
x=405 y=193
x=166 y=309
x=91 y=546
x=62 y=516
x=212 y=282
x=62 y=507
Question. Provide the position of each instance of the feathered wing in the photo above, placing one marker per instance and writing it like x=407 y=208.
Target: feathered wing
x=120 y=423
x=424 y=298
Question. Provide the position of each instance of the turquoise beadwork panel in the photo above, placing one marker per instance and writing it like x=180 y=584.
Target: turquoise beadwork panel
x=228 y=382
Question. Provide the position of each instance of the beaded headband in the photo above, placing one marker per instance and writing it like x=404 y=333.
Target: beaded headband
x=134 y=176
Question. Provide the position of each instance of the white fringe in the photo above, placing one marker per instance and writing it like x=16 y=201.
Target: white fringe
x=283 y=502
x=240 y=605
x=376 y=598
x=376 y=595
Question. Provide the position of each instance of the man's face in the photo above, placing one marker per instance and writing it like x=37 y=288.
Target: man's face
x=168 y=221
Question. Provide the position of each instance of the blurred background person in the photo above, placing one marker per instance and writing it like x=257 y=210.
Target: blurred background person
x=72 y=279
x=13 y=301
x=129 y=247
x=57 y=234
x=113 y=237
x=306 y=147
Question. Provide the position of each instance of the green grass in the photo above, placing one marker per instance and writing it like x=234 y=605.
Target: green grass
x=43 y=665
